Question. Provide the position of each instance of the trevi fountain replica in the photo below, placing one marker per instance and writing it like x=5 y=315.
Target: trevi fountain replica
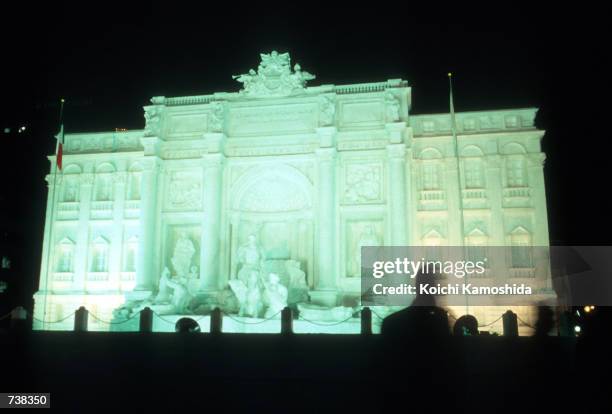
x=255 y=200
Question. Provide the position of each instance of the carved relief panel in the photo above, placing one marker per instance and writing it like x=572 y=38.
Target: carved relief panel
x=363 y=183
x=184 y=190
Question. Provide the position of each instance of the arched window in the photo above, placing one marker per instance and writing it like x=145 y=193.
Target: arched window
x=71 y=186
x=431 y=175
x=133 y=187
x=515 y=172
x=103 y=187
x=474 y=176
x=103 y=190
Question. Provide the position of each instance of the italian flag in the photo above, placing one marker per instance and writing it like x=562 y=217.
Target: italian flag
x=60 y=144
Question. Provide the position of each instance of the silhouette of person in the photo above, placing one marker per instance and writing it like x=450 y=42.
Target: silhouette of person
x=416 y=352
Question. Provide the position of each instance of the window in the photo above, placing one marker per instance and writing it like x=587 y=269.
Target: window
x=521 y=253
x=134 y=186
x=70 y=189
x=515 y=172
x=99 y=261
x=65 y=259
x=103 y=187
x=473 y=174
x=431 y=180
x=477 y=247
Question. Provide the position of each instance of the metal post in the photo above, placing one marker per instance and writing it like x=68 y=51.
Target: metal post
x=80 y=319
x=216 y=321
x=510 y=323
x=366 y=321
x=146 y=320
x=286 y=321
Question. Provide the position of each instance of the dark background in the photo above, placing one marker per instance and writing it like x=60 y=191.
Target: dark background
x=108 y=63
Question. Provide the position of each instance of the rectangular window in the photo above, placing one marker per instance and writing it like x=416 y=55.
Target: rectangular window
x=515 y=173
x=430 y=177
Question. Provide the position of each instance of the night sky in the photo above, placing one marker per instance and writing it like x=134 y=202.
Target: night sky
x=107 y=64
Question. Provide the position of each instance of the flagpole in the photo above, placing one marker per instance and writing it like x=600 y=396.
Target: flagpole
x=459 y=187
x=51 y=245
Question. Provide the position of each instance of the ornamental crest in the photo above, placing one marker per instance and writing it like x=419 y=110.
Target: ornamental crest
x=274 y=77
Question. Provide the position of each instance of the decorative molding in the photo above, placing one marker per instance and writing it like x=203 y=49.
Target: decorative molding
x=87 y=178
x=327 y=110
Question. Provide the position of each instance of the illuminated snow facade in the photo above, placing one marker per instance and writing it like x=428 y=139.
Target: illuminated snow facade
x=309 y=174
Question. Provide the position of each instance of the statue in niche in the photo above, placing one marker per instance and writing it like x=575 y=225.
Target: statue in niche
x=368 y=238
x=393 y=107
x=275 y=295
x=251 y=257
x=183 y=253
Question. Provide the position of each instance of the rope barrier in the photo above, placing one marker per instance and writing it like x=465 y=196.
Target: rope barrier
x=115 y=323
x=326 y=324
x=377 y=315
x=163 y=319
x=252 y=323
x=58 y=321
x=524 y=323
x=490 y=323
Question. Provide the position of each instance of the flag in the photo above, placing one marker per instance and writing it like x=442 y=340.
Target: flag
x=60 y=144
x=452 y=107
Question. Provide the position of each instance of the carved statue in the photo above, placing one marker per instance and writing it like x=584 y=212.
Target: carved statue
x=275 y=295
x=297 y=277
x=274 y=77
x=183 y=252
x=163 y=295
x=393 y=107
x=251 y=256
x=181 y=298
x=216 y=117
x=152 y=117
x=328 y=110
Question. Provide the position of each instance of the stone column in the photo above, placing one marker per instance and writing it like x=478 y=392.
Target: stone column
x=116 y=254
x=82 y=242
x=535 y=164
x=497 y=235
x=397 y=193
x=456 y=236
x=145 y=262
x=325 y=287
x=211 y=227
x=46 y=268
